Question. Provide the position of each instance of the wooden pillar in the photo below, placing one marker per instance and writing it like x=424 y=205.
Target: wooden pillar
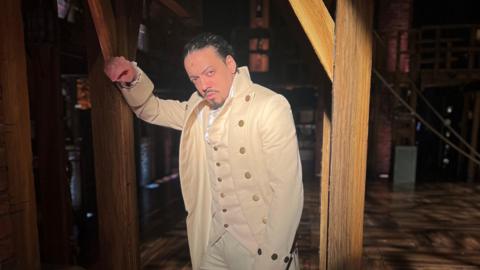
x=53 y=190
x=472 y=167
x=325 y=179
x=318 y=26
x=112 y=127
x=345 y=130
x=20 y=205
x=350 y=108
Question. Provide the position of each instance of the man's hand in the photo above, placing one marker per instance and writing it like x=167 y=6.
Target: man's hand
x=119 y=69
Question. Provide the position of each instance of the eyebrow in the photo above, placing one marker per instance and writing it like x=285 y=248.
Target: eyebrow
x=203 y=72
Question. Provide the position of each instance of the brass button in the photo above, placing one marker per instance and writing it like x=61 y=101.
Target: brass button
x=225 y=225
x=241 y=123
x=286 y=260
x=215 y=148
x=248 y=175
x=242 y=150
x=259 y=251
x=219 y=179
x=222 y=195
x=224 y=210
x=255 y=197
x=247 y=98
x=218 y=164
x=274 y=256
x=264 y=220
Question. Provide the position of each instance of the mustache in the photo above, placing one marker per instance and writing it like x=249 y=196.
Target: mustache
x=209 y=90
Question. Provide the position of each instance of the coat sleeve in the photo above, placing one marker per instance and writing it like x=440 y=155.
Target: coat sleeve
x=280 y=148
x=148 y=107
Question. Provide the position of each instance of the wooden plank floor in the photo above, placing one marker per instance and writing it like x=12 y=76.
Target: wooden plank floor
x=431 y=226
x=434 y=226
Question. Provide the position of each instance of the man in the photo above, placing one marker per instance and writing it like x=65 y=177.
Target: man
x=240 y=169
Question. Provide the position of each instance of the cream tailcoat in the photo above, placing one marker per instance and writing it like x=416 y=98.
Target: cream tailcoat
x=261 y=122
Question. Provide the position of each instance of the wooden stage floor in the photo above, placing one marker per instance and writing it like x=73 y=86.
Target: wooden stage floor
x=430 y=226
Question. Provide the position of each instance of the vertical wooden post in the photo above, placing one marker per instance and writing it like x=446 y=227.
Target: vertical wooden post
x=14 y=104
x=325 y=179
x=471 y=172
x=113 y=139
x=53 y=190
x=345 y=130
x=351 y=93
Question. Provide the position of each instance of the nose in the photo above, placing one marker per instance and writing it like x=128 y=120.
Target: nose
x=203 y=85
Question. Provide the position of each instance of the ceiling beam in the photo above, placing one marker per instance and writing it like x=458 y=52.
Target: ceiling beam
x=187 y=16
x=176 y=8
x=319 y=28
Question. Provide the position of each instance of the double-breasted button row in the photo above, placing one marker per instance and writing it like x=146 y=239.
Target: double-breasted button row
x=274 y=256
x=248 y=175
x=255 y=197
x=242 y=150
x=241 y=123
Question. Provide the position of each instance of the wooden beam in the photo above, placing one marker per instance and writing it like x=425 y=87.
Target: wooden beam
x=350 y=110
x=113 y=138
x=14 y=104
x=318 y=26
x=176 y=8
x=325 y=175
x=102 y=16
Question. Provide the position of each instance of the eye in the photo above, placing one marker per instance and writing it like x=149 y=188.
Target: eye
x=193 y=80
x=210 y=73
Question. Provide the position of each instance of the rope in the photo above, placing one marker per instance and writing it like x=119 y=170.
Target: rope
x=421 y=119
x=439 y=116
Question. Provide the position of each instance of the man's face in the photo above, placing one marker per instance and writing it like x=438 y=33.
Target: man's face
x=211 y=75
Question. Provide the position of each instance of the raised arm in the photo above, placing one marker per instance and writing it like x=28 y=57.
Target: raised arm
x=137 y=90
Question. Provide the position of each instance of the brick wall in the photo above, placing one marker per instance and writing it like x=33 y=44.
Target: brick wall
x=391 y=16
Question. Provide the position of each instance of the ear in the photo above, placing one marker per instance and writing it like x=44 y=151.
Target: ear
x=231 y=64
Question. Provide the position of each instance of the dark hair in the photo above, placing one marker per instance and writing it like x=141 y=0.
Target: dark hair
x=204 y=40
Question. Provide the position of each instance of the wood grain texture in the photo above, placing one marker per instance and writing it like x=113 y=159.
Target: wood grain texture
x=103 y=18
x=324 y=190
x=115 y=174
x=16 y=117
x=319 y=27
x=113 y=139
x=428 y=226
x=350 y=110
x=47 y=114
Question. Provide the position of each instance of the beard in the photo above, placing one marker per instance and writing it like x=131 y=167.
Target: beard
x=212 y=103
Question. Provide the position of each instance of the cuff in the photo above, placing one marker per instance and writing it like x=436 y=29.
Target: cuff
x=130 y=85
